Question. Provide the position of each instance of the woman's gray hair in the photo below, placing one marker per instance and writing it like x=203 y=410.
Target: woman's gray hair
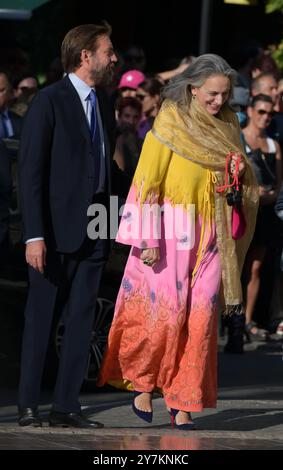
x=203 y=67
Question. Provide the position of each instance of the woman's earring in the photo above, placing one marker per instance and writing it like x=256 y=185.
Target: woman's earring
x=194 y=97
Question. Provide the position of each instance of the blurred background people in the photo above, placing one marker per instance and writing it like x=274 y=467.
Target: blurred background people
x=278 y=312
x=280 y=95
x=265 y=83
x=149 y=93
x=10 y=123
x=128 y=144
x=239 y=101
x=183 y=65
x=244 y=54
x=26 y=84
x=24 y=91
x=129 y=83
x=265 y=63
x=265 y=155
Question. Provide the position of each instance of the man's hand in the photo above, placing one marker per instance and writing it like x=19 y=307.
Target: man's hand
x=36 y=255
x=150 y=256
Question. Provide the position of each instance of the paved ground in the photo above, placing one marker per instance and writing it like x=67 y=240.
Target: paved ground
x=249 y=414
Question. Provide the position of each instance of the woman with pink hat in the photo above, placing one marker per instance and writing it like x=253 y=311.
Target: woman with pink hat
x=129 y=83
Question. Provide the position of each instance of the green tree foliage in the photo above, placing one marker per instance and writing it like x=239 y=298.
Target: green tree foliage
x=274 y=5
x=271 y=7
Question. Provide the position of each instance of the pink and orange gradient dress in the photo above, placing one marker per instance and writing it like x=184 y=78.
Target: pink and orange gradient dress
x=164 y=332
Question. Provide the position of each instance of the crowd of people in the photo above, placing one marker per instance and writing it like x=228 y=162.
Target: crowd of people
x=202 y=135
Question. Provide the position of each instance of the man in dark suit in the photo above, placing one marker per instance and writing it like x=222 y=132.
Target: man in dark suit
x=65 y=164
x=10 y=127
x=10 y=122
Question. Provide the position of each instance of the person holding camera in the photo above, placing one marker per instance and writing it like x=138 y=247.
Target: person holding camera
x=164 y=333
x=265 y=156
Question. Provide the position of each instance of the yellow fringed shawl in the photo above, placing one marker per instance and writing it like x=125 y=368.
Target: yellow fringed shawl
x=205 y=140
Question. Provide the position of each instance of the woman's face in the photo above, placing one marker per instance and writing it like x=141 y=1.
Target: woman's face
x=149 y=102
x=261 y=114
x=213 y=93
x=129 y=116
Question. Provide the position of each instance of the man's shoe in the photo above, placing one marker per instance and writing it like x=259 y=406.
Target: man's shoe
x=29 y=417
x=74 y=420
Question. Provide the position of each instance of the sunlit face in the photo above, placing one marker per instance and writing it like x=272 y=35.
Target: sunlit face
x=213 y=93
x=261 y=114
x=102 y=62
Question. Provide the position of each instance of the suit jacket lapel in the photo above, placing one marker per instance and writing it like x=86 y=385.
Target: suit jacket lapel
x=79 y=114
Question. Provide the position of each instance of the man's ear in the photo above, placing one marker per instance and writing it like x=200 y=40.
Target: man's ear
x=85 y=54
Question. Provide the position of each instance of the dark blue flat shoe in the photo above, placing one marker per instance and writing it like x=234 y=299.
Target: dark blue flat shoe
x=145 y=415
x=183 y=427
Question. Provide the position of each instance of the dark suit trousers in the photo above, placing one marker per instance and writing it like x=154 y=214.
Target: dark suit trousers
x=70 y=283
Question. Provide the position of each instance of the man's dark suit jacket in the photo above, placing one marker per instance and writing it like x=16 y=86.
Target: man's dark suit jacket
x=56 y=165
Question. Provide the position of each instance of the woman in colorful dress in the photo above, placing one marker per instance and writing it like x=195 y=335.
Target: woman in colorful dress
x=164 y=332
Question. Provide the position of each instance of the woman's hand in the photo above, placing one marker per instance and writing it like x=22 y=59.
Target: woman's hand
x=150 y=256
x=242 y=165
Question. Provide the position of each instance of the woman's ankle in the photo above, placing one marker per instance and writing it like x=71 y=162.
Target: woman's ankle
x=183 y=417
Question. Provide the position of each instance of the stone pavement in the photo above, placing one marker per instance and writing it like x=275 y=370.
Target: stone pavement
x=249 y=414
